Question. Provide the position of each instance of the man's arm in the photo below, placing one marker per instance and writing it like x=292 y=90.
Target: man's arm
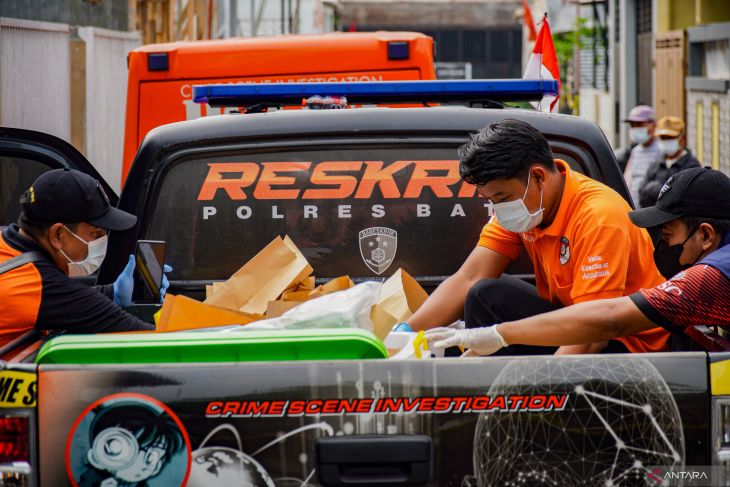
x=446 y=304
x=585 y=323
x=69 y=305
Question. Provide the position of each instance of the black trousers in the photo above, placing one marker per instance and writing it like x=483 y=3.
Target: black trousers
x=493 y=301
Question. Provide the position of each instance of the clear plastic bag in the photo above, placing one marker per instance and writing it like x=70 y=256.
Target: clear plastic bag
x=348 y=308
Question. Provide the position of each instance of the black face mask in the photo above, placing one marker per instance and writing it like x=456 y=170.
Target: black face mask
x=666 y=258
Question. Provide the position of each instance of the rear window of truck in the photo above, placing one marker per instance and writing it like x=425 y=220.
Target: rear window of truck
x=339 y=204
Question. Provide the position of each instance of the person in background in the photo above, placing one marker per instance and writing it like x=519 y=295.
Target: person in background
x=676 y=158
x=62 y=233
x=622 y=155
x=642 y=122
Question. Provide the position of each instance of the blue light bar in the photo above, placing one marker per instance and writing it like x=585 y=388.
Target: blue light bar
x=377 y=91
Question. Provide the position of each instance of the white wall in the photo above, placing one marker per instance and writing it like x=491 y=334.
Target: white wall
x=106 y=98
x=598 y=106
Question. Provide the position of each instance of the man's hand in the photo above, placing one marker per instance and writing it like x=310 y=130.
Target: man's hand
x=124 y=285
x=479 y=341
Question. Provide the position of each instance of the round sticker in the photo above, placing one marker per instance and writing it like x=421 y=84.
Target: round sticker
x=128 y=439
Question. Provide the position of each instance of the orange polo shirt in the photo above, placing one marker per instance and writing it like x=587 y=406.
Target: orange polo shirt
x=590 y=251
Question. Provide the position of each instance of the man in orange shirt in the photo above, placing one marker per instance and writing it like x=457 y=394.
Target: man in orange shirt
x=576 y=231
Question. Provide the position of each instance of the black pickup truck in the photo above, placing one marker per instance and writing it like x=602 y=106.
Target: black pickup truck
x=219 y=189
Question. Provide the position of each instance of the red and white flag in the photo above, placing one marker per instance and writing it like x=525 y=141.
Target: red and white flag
x=529 y=23
x=543 y=64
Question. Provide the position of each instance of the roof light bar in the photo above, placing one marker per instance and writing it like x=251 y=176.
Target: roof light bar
x=377 y=92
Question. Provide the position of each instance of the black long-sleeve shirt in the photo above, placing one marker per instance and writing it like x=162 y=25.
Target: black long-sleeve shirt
x=40 y=295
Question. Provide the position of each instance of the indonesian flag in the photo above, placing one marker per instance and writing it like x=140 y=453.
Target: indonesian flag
x=529 y=23
x=543 y=64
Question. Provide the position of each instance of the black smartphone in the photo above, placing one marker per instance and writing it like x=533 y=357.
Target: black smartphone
x=150 y=260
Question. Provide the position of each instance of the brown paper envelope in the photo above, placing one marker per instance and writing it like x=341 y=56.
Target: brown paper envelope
x=400 y=297
x=383 y=321
x=263 y=278
x=278 y=308
x=306 y=285
x=165 y=312
x=298 y=296
x=338 y=284
x=210 y=289
x=301 y=261
x=188 y=314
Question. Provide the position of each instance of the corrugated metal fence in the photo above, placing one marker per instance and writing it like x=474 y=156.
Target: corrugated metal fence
x=73 y=88
x=35 y=76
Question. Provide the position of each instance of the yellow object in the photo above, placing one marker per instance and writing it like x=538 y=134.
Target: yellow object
x=420 y=345
x=18 y=389
x=720 y=378
x=700 y=143
x=715 y=136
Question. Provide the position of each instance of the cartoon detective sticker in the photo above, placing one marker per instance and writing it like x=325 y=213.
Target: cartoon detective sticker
x=128 y=440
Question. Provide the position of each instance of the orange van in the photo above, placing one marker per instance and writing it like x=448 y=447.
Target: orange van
x=161 y=76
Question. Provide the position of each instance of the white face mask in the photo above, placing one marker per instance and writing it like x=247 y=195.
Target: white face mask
x=639 y=134
x=669 y=146
x=514 y=215
x=94 y=256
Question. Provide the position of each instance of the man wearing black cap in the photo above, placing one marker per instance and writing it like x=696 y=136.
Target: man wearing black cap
x=693 y=210
x=62 y=232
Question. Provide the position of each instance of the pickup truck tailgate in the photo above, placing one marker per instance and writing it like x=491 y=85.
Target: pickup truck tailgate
x=492 y=420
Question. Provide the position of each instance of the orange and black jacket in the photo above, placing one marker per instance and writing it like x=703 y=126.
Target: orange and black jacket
x=39 y=295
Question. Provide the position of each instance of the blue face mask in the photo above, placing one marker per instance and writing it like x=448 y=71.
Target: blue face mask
x=669 y=146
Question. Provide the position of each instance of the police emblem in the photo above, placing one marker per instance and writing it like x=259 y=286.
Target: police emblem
x=564 y=251
x=377 y=248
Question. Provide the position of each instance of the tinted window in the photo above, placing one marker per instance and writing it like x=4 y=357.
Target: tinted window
x=16 y=176
x=216 y=212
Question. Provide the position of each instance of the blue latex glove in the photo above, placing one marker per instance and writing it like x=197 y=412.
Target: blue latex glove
x=403 y=327
x=124 y=285
x=165 y=282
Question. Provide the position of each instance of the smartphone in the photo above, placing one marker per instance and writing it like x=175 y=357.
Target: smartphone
x=150 y=260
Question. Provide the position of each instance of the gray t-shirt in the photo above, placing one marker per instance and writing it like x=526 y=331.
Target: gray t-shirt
x=642 y=157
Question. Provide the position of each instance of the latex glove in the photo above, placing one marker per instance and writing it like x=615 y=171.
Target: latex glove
x=165 y=283
x=403 y=327
x=124 y=285
x=479 y=341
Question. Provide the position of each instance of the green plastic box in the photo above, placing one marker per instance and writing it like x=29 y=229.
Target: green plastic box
x=240 y=346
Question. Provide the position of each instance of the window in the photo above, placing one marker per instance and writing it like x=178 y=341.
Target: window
x=216 y=212
x=16 y=176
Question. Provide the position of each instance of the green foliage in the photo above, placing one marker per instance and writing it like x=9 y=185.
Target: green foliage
x=567 y=42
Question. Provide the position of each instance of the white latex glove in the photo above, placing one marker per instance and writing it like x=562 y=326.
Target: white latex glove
x=479 y=341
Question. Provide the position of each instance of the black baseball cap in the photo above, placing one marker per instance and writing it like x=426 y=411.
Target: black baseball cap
x=70 y=196
x=697 y=192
